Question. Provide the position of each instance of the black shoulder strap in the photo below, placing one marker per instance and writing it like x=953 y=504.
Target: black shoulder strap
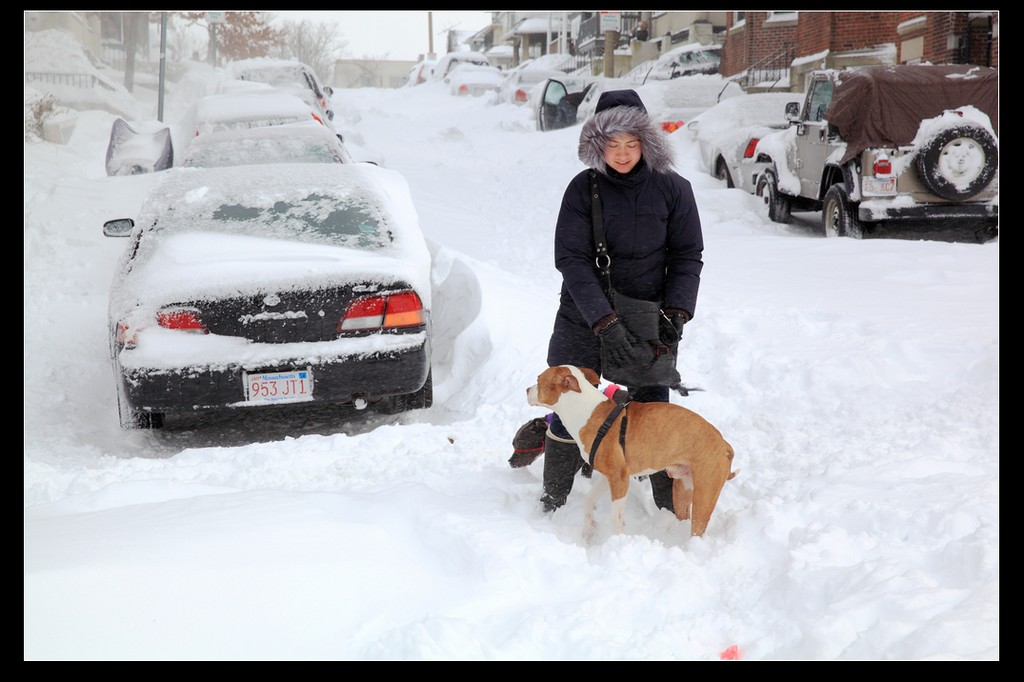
x=602 y=260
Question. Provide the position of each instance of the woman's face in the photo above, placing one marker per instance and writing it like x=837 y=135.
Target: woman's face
x=622 y=152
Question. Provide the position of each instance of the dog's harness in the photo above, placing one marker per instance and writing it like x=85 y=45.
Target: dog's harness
x=619 y=407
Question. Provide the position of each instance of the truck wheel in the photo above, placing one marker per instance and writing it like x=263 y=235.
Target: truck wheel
x=839 y=214
x=778 y=205
x=958 y=162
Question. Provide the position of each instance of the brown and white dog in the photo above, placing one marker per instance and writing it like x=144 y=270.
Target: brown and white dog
x=658 y=436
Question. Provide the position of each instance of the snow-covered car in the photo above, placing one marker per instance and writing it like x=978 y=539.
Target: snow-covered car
x=564 y=102
x=239 y=107
x=518 y=85
x=241 y=110
x=521 y=80
x=270 y=285
x=685 y=60
x=286 y=74
x=420 y=71
x=727 y=135
x=294 y=143
x=474 y=80
x=449 y=61
x=893 y=147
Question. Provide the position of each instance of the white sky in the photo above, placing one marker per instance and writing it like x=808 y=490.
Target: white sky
x=394 y=34
x=857 y=380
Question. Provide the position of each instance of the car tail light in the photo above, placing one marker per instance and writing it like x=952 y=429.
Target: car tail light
x=748 y=153
x=385 y=311
x=521 y=95
x=883 y=166
x=181 y=319
x=317 y=119
x=126 y=336
x=463 y=90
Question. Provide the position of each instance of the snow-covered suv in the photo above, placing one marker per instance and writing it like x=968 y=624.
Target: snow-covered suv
x=889 y=146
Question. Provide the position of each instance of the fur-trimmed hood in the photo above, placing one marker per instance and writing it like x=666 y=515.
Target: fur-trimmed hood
x=622 y=111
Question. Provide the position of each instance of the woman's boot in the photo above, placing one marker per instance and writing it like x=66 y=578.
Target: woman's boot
x=561 y=462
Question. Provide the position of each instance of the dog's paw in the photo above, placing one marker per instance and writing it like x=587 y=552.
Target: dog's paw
x=589 y=527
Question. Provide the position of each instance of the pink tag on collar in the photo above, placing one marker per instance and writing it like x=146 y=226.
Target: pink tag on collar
x=609 y=392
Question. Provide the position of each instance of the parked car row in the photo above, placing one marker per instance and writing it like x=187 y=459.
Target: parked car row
x=270 y=268
x=470 y=73
x=876 y=149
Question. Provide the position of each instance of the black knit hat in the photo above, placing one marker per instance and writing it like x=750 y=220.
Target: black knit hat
x=619 y=98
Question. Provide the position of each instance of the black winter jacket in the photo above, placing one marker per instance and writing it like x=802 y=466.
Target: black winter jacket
x=652 y=228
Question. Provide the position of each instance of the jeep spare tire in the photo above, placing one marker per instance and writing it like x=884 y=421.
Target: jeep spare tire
x=958 y=162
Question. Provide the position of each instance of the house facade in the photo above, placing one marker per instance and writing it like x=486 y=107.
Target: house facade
x=776 y=49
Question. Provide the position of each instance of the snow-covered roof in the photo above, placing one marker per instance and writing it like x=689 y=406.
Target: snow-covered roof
x=537 y=25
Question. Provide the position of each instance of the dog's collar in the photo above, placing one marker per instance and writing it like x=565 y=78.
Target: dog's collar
x=619 y=407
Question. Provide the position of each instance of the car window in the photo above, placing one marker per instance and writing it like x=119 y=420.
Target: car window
x=819 y=98
x=313 y=218
x=236 y=152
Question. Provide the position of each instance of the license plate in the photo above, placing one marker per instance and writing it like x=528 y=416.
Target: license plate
x=289 y=386
x=879 y=186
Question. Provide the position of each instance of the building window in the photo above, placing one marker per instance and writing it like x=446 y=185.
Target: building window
x=781 y=15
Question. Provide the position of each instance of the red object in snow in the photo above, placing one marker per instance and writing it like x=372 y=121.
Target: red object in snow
x=671 y=126
x=730 y=654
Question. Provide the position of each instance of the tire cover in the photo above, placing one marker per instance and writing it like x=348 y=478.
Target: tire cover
x=958 y=162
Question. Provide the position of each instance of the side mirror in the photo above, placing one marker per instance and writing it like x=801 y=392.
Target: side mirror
x=121 y=227
x=329 y=90
x=792 y=111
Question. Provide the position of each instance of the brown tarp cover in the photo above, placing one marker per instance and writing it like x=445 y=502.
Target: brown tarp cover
x=884 y=105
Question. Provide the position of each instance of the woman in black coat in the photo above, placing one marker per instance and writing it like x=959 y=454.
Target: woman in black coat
x=655 y=244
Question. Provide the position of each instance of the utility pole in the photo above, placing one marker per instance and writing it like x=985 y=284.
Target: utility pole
x=163 y=66
x=430 y=33
x=610 y=26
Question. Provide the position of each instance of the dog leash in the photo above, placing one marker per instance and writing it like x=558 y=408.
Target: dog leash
x=603 y=430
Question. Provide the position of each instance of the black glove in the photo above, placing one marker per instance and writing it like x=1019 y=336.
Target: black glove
x=671 y=328
x=616 y=342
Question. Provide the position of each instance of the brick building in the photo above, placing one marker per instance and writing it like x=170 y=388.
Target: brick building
x=777 y=48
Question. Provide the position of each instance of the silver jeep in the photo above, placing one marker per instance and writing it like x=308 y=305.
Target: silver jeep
x=887 y=149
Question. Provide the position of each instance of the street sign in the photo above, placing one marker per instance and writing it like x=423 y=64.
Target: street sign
x=215 y=17
x=610 y=21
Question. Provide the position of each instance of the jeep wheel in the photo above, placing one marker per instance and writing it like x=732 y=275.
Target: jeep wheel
x=839 y=215
x=958 y=162
x=778 y=205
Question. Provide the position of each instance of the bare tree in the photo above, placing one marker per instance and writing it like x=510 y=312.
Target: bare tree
x=183 y=43
x=313 y=43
